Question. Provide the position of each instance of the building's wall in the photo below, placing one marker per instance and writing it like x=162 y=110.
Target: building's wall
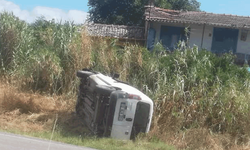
x=243 y=46
x=195 y=38
x=196 y=35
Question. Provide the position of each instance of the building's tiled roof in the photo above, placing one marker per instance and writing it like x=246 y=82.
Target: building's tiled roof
x=191 y=17
x=116 y=31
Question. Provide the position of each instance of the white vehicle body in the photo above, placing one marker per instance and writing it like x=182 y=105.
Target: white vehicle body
x=122 y=113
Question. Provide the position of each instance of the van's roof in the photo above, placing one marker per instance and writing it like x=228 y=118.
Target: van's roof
x=106 y=80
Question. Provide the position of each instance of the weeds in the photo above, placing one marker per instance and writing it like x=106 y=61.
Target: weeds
x=196 y=93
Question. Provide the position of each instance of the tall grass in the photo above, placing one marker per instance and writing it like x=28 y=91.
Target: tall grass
x=196 y=89
x=192 y=89
x=42 y=55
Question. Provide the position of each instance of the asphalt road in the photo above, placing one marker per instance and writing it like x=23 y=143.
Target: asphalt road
x=10 y=141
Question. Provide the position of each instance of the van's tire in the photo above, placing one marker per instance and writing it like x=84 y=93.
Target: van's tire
x=104 y=89
x=77 y=107
x=84 y=74
x=110 y=115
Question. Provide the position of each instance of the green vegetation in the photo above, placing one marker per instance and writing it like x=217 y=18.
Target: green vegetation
x=43 y=55
x=124 y=12
x=195 y=92
x=100 y=143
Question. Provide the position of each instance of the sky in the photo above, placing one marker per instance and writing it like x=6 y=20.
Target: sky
x=77 y=10
x=60 y=10
x=234 y=7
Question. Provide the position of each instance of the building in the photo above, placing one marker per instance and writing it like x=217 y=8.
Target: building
x=218 y=33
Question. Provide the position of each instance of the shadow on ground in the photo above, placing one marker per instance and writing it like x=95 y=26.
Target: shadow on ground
x=69 y=124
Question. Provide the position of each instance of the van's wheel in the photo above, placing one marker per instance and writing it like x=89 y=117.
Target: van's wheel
x=104 y=89
x=83 y=74
x=78 y=107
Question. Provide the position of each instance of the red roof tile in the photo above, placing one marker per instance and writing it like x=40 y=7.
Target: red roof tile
x=166 y=15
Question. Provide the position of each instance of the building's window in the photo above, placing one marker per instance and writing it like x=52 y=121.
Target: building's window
x=170 y=36
x=244 y=35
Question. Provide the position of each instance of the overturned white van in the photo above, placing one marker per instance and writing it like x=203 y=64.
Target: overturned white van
x=110 y=107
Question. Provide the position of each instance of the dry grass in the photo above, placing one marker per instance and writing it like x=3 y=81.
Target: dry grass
x=29 y=112
x=81 y=51
x=196 y=138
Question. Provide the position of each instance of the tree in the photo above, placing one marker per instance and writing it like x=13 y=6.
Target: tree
x=189 y=5
x=126 y=12
x=131 y=12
